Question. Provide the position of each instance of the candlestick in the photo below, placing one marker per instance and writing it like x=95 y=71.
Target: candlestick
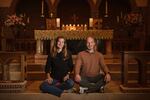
x=106 y=9
x=42 y=9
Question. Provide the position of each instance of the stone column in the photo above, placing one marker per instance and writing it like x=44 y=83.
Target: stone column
x=3 y=44
x=108 y=47
x=39 y=46
x=5 y=72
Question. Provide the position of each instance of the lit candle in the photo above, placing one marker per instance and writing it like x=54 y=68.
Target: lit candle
x=106 y=9
x=78 y=27
x=63 y=27
x=82 y=27
x=57 y=22
x=90 y=22
x=67 y=27
x=74 y=27
x=51 y=15
x=85 y=27
x=70 y=26
x=42 y=10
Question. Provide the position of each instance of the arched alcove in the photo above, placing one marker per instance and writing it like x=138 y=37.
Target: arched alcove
x=32 y=10
x=73 y=11
x=115 y=8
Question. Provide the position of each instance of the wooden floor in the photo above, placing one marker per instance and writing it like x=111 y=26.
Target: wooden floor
x=112 y=92
x=74 y=96
x=33 y=87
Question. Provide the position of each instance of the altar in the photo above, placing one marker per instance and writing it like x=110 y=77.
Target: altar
x=41 y=35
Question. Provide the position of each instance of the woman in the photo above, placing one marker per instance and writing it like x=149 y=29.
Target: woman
x=58 y=67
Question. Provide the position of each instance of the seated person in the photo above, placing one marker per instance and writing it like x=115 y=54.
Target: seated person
x=58 y=67
x=88 y=66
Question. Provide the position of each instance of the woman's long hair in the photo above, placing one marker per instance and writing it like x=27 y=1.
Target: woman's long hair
x=95 y=49
x=53 y=48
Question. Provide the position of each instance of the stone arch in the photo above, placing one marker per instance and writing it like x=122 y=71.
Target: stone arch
x=52 y=7
x=12 y=8
x=93 y=7
x=75 y=10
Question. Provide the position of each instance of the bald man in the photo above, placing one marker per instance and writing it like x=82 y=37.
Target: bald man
x=88 y=67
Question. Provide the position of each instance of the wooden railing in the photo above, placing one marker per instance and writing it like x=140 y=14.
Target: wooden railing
x=142 y=58
x=27 y=45
x=12 y=71
x=125 y=45
x=14 y=60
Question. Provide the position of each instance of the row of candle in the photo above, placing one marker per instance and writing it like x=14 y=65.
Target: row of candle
x=74 y=27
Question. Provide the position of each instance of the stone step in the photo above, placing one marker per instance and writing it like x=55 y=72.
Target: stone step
x=37 y=75
x=116 y=75
x=35 y=67
x=35 y=70
x=111 y=66
x=43 y=58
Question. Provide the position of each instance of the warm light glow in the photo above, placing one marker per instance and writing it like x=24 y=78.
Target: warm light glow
x=90 y=22
x=74 y=27
x=85 y=27
x=58 y=22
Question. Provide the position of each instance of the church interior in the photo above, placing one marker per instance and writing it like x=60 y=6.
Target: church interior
x=121 y=28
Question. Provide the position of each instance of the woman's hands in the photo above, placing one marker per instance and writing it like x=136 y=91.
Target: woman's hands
x=66 y=77
x=49 y=79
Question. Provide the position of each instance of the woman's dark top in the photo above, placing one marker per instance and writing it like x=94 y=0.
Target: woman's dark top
x=58 y=67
